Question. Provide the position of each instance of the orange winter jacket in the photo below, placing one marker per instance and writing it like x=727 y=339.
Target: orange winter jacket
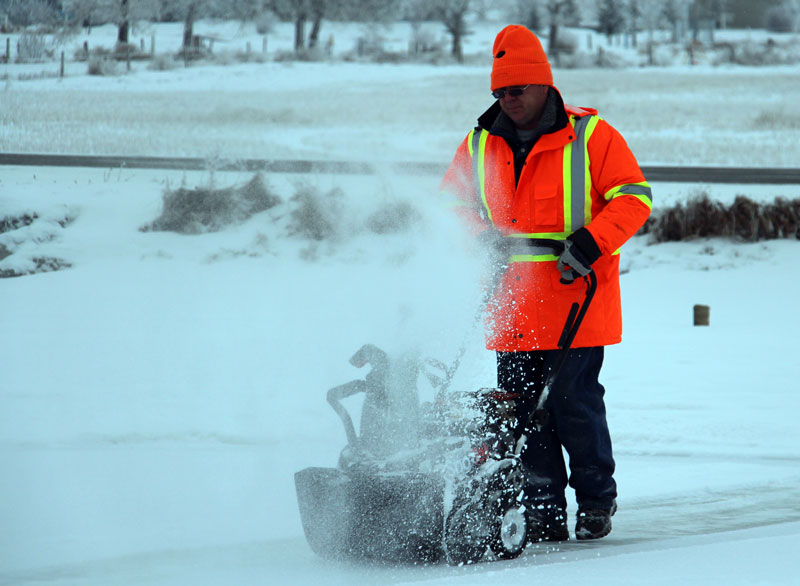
x=581 y=174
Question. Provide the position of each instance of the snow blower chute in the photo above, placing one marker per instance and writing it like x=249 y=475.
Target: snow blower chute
x=430 y=481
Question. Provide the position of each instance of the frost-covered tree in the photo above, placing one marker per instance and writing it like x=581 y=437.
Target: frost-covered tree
x=675 y=13
x=634 y=18
x=21 y=13
x=528 y=13
x=610 y=17
x=783 y=18
x=451 y=13
x=559 y=12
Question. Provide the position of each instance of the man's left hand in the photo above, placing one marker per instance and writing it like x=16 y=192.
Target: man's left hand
x=580 y=252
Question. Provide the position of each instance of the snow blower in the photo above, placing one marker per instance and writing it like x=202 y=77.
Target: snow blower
x=424 y=482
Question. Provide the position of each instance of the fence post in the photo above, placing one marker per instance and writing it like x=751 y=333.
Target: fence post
x=61 y=71
x=702 y=315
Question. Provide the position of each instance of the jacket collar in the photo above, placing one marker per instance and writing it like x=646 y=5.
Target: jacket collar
x=554 y=117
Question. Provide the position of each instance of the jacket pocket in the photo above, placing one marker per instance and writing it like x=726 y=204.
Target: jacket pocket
x=545 y=206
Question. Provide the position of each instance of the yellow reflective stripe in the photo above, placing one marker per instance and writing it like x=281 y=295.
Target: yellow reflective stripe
x=566 y=170
x=482 y=171
x=532 y=258
x=644 y=199
x=640 y=191
x=451 y=200
x=546 y=235
x=479 y=169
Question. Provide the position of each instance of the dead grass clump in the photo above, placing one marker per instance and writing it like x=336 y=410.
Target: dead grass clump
x=9 y=223
x=205 y=209
x=745 y=220
x=38 y=264
x=771 y=120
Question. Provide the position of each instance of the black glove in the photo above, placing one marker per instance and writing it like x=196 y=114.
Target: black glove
x=580 y=251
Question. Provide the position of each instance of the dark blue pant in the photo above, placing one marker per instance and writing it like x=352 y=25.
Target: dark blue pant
x=577 y=421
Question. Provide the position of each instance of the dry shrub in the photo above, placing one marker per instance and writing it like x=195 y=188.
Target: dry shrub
x=205 y=209
x=393 y=218
x=316 y=216
x=101 y=66
x=163 y=63
x=745 y=220
x=38 y=264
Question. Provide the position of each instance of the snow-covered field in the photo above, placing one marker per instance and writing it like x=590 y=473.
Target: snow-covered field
x=158 y=395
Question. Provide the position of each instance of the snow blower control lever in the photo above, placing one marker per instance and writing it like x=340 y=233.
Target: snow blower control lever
x=374 y=387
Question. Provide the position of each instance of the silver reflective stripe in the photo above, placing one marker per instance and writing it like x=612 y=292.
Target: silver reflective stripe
x=522 y=248
x=476 y=176
x=578 y=176
x=633 y=189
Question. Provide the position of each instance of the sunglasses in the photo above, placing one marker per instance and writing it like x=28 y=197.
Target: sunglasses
x=514 y=92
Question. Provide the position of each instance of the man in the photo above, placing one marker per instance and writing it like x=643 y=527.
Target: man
x=559 y=190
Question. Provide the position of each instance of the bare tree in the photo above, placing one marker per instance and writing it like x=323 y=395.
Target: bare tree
x=634 y=18
x=610 y=18
x=27 y=12
x=451 y=13
x=123 y=23
x=188 y=11
x=300 y=12
x=558 y=12
x=650 y=12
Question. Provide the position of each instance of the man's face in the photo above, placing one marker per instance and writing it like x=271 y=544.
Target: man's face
x=525 y=110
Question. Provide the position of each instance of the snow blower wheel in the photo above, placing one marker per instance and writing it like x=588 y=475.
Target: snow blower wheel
x=511 y=532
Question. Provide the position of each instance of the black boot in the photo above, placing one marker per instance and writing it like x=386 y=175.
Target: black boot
x=547 y=524
x=594 y=523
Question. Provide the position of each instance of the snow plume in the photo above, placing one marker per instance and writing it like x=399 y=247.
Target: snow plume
x=416 y=271
x=414 y=287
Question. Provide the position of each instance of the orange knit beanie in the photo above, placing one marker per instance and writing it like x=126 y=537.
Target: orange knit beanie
x=519 y=59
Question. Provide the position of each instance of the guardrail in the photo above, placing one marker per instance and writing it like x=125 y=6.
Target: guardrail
x=654 y=173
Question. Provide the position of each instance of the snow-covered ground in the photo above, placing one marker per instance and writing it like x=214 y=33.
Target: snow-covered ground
x=158 y=395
